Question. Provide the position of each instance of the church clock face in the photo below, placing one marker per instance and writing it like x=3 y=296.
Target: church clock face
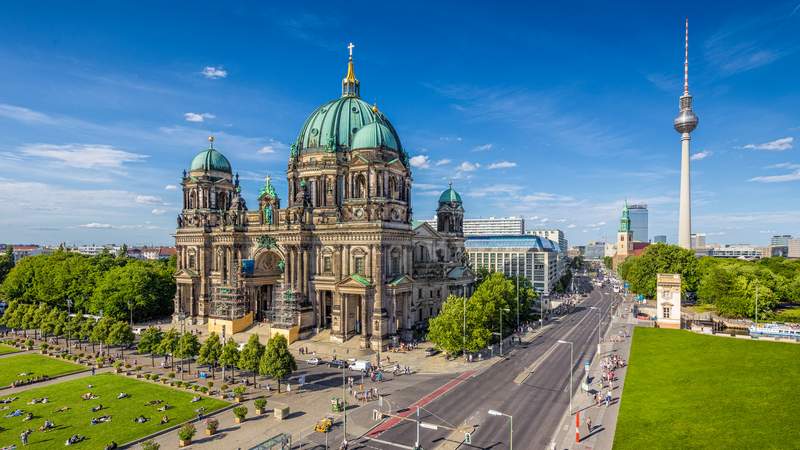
x=395 y=214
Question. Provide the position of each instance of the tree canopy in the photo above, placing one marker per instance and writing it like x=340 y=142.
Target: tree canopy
x=277 y=362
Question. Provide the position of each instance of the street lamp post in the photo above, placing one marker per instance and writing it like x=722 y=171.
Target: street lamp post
x=571 y=362
x=518 y=302
x=501 y=328
x=69 y=312
x=511 y=421
x=344 y=409
x=464 y=343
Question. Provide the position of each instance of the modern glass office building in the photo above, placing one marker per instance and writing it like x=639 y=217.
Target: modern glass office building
x=639 y=221
x=538 y=259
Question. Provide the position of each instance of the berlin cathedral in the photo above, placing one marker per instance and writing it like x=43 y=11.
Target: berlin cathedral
x=342 y=256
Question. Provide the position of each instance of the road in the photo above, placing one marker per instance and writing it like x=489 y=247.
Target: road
x=537 y=404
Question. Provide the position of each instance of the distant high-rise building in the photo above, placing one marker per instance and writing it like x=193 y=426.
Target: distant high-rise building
x=554 y=235
x=659 y=238
x=538 y=259
x=794 y=248
x=698 y=240
x=595 y=250
x=639 y=222
x=780 y=240
x=502 y=226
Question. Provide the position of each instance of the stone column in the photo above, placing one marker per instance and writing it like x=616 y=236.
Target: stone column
x=378 y=331
x=337 y=263
x=346 y=261
x=305 y=271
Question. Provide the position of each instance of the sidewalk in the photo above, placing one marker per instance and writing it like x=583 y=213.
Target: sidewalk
x=604 y=419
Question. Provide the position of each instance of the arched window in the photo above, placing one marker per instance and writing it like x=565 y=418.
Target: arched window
x=361 y=186
x=393 y=194
x=395 y=262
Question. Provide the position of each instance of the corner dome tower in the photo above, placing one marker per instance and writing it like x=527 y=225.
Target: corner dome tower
x=450 y=196
x=210 y=161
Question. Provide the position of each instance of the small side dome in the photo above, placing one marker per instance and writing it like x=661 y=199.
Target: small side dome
x=450 y=196
x=375 y=135
x=210 y=160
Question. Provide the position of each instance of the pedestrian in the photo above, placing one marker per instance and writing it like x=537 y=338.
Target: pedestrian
x=589 y=424
x=24 y=436
x=92 y=374
x=608 y=398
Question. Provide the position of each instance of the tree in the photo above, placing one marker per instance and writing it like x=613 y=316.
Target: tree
x=73 y=327
x=149 y=342
x=210 y=352
x=446 y=330
x=6 y=262
x=29 y=320
x=640 y=271
x=169 y=344
x=120 y=334
x=123 y=251
x=39 y=317
x=87 y=326
x=608 y=262
x=277 y=362
x=251 y=355
x=188 y=346
x=100 y=331
x=144 y=288
x=49 y=322
x=230 y=357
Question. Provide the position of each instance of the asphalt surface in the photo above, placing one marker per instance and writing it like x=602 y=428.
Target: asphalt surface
x=538 y=404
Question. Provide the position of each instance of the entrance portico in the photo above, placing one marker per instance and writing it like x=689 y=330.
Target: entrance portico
x=352 y=309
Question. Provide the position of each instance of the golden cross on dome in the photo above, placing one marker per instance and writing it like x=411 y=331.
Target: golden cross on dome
x=351 y=47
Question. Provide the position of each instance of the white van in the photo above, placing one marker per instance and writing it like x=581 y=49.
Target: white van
x=360 y=365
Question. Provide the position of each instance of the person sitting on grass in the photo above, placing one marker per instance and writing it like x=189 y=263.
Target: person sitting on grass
x=97 y=408
x=195 y=399
x=141 y=419
x=110 y=446
x=8 y=400
x=74 y=439
x=164 y=407
x=47 y=426
x=89 y=396
x=153 y=402
x=101 y=419
x=62 y=409
x=27 y=417
x=164 y=419
x=122 y=395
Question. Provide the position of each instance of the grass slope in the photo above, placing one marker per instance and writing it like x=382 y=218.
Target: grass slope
x=7 y=349
x=121 y=429
x=685 y=390
x=36 y=364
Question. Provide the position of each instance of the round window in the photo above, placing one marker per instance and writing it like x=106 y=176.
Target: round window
x=314 y=131
x=355 y=110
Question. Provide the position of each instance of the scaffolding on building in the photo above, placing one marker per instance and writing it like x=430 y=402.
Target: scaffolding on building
x=229 y=301
x=285 y=311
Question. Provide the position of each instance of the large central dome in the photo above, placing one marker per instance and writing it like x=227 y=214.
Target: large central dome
x=333 y=126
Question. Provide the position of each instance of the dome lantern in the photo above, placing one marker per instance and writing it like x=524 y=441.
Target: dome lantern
x=351 y=87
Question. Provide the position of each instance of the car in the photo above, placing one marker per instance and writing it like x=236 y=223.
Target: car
x=138 y=331
x=338 y=363
x=313 y=361
x=431 y=351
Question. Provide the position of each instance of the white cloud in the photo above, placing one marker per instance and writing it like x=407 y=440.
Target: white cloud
x=785 y=165
x=483 y=148
x=701 y=155
x=794 y=176
x=148 y=200
x=450 y=139
x=778 y=145
x=96 y=225
x=420 y=161
x=502 y=165
x=272 y=147
x=467 y=166
x=442 y=162
x=572 y=225
x=198 y=117
x=158 y=211
x=170 y=187
x=544 y=220
x=23 y=114
x=213 y=73
x=83 y=156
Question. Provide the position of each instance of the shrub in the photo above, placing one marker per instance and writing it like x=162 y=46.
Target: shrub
x=150 y=445
x=171 y=375
x=179 y=383
x=210 y=384
x=138 y=368
x=187 y=432
x=204 y=390
x=240 y=412
x=239 y=391
x=260 y=403
x=127 y=366
x=224 y=387
x=212 y=424
x=118 y=365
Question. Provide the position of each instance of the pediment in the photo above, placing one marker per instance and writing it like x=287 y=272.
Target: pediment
x=186 y=273
x=354 y=281
x=425 y=230
x=400 y=281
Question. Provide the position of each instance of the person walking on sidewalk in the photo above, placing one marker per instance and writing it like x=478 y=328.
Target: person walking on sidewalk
x=589 y=424
x=608 y=398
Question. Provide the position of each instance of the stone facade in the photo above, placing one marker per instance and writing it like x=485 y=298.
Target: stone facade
x=343 y=245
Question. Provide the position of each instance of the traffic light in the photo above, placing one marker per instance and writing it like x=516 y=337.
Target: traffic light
x=467 y=438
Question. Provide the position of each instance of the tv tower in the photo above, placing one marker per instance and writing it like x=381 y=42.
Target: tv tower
x=684 y=124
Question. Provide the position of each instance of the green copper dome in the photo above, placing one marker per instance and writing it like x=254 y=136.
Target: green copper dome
x=450 y=196
x=334 y=125
x=375 y=135
x=210 y=160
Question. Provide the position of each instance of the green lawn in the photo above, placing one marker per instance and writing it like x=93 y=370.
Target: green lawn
x=7 y=349
x=35 y=364
x=685 y=390
x=788 y=315
x=121 y=429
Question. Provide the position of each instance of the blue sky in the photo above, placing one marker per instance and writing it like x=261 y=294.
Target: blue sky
x=554 y=113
